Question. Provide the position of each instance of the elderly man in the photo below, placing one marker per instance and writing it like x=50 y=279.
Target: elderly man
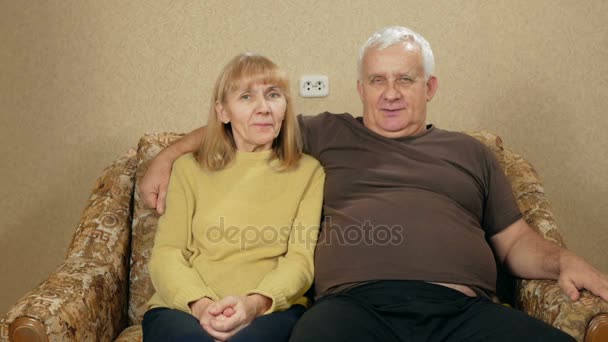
x=415 y=218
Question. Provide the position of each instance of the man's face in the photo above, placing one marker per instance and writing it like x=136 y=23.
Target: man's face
x=394 y=91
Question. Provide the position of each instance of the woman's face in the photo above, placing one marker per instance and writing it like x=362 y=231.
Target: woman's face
x=255 y=112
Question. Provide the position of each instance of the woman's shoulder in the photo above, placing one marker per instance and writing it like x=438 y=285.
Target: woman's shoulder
x=186 y=162
x=310 y=166
x=308 y=161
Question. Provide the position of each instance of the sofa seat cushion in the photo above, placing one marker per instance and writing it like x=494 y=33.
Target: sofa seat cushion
x=131 y=334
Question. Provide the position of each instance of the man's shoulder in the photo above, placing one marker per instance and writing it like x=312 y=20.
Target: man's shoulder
x=460 y=138
x=466 y=146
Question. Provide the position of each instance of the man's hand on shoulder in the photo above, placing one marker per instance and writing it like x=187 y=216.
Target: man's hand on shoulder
x=153 y=187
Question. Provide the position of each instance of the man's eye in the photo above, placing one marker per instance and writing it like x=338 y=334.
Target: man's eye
x=406 y=80
x=377 y=80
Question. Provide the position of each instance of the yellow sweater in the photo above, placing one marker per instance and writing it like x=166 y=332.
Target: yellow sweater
x=242 y=230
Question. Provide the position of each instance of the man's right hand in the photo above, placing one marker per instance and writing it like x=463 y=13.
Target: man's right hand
x=153 y=187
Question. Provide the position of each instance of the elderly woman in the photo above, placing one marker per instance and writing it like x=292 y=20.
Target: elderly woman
x=233 y=254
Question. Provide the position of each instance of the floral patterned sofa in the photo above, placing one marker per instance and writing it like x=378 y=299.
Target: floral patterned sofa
x=100 y=291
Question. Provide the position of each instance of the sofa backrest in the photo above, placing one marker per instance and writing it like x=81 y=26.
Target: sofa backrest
x=143 y=228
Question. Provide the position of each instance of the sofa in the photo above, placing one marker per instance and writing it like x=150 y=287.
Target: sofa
x=99 y=292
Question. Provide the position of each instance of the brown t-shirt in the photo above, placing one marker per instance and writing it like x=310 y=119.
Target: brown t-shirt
x=414 y=208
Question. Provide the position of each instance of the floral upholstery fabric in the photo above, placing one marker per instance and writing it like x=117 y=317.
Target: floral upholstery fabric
x=85 y=299
x=131 y=334
x=544 y=300
x=144 y=229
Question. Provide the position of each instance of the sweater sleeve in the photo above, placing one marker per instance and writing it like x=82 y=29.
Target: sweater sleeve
x=293 y=274
x=173 y=277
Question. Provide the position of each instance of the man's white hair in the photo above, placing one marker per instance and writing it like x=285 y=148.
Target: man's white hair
x=392 y=35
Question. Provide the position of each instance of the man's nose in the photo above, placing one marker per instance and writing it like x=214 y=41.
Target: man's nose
x=391 y=92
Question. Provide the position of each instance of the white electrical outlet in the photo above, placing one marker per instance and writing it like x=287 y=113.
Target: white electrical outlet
x=314 y=86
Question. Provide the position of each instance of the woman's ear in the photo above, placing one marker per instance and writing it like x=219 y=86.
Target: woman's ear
x=221 y=113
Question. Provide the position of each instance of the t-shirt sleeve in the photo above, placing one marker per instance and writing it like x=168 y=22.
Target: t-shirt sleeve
x=309 y=129
x=500 y=209
x=304 y=123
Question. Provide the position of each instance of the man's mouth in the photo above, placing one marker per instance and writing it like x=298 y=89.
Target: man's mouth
x=392 y=111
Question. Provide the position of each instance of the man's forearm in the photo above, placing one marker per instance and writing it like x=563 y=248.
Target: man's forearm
x=526 y=253
x=543 y=261
x=533 y=257
x=188 y=143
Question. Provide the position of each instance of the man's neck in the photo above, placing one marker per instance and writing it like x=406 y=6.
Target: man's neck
x=412 y=131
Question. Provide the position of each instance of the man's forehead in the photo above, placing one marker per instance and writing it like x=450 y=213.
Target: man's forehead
x=405 y=62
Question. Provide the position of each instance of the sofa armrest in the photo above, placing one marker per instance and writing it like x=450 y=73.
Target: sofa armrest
x=82 y=300
x=85 y=299
x=545 y=300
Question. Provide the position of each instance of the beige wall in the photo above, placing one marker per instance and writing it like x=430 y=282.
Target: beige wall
x=80 y=81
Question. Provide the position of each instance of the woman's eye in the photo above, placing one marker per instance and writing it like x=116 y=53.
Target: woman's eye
x=274 y=95
x=245 y=97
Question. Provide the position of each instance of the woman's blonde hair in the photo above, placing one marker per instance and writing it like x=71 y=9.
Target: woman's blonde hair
x=218 y=147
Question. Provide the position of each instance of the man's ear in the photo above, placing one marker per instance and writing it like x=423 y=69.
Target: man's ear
x=360 y=89
x=431 y=87
x=221 y=113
